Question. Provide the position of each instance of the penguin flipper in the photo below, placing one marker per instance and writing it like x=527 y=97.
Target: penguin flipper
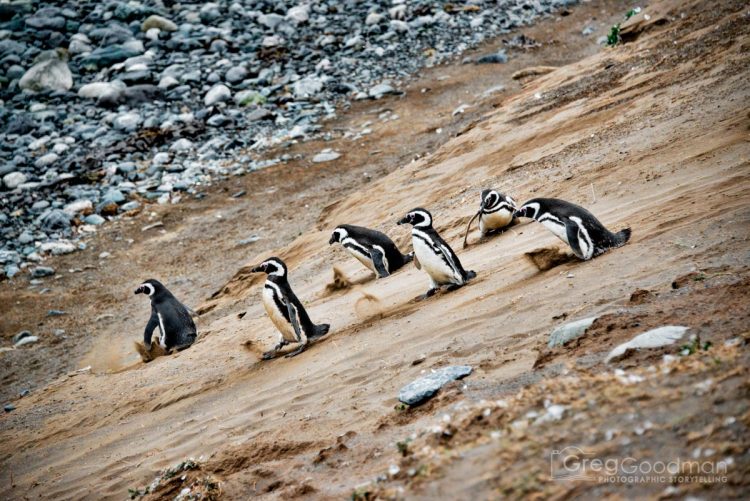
x=416 y=262
x=152 y=324
x=378 y=261
x=572 y=231
x=294 y=320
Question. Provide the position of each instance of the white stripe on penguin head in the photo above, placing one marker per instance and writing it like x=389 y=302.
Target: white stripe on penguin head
x=150 y=287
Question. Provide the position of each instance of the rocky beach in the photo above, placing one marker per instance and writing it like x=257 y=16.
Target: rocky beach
x=189 y=142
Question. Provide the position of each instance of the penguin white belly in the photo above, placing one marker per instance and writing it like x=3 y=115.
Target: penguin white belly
x=494 y=220
x=433 y=264
x=277 y=318
x=557 y=229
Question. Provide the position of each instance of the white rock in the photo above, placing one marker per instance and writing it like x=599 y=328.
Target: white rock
x=51 y=72
x=153 y=33
x=217 y=94
x=60 y=148
x=46 y=160
x=79 y=44
x=57 y=248
x=307 y=87
x=299 y=14
x=160 y=158
x=272 y=41
x=78 y=206
x=374 y=18
x=159 y=22
x=399 y=26
x=182 y=144
x=655 y=338
x=13 y=180
x=325 y=156
x=397 y=12
x=127 y=121
x=168 y=82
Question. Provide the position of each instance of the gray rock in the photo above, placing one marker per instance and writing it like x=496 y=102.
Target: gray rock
x=107 y=56
x=55 y=313
x=127 y=122
x=325 y=156
x=46 y=160
x=427 y=386
x=130 y=206
x=249 y=240
x=160 y=158
x=74 y=208
x=654 y=338
x=9 y=407
x=307 y=87
x=499 y=57
x=270 y=20
x=567 y=332
x=217 y=120
x=248 y=97
x=236 y=74
x=50 y=72
x=94 y=219
x=14 y=179
x=381 y=90
x=113 y=196
x=374 y=18
x=56 y=219
x=217 y=94
x=15 y=72
x=158 y=22
x=79 y=44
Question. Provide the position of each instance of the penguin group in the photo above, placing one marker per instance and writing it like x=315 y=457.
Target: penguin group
x=586 y=236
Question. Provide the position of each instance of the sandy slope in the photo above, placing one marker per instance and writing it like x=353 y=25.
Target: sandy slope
x=652 y=135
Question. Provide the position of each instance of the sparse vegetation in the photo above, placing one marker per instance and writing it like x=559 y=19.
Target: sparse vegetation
x=613 y=38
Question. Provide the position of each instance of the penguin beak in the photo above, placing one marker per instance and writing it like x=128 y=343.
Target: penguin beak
x=404 y=220
x=332 y=240
x=258 y=269
x=520 y=212
x=140 y=290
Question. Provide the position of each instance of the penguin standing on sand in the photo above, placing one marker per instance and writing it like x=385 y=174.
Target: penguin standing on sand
x=373 y=249
x=176 y=327
x=574 y=225
x=285 y=310
x=434 y=255
x=496 y=213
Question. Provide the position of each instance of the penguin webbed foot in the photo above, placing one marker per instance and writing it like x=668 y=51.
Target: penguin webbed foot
x=428 y=294
x=452 y=287
x=269 y=355
x=296 y=352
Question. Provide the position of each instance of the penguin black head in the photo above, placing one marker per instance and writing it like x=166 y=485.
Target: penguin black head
x=490 y=198
x=151 y=287
x=531 y=209
x=338 y=235
x=419 y=218
x=271 y=266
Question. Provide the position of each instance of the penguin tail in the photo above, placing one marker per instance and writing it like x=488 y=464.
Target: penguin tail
x=321 y=330
x=470 y=274
x=622 y=237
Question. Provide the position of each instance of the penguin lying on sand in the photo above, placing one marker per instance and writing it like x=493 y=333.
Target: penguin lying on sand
x=434 y=255
x=496 y=213
x=574 y=225
x=373 y=249
x=176 y=327
x=285 y=310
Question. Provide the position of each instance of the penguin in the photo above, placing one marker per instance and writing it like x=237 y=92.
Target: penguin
x=433 y=254
x=176 y=327
x=285 y=310
x=496 y=213
x=371 y=248
x=574 y=225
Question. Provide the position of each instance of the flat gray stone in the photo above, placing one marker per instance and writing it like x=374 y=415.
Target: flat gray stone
x=655 y=338
x=567 y=332
x=325 y=156
x=427 y=386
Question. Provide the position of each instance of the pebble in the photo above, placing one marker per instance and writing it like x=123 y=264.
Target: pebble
x=654 y=338
x=325 y=156
x=424 y=388
x=42 y=271
x=567 y=332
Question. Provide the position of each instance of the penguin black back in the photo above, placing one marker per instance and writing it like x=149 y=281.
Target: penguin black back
x=176 y=326
x=566 y=219
x=372 y=238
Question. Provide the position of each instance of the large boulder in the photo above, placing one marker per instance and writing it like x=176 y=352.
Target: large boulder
x=50 y=72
